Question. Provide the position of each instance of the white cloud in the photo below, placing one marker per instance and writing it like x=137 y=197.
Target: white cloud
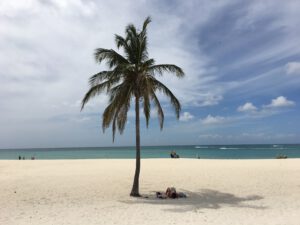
x=293 y=68
x=186 y=116
x=213 y=120
x=279 y=102
x=266 y=110
x=247 y=107
x=210 y=99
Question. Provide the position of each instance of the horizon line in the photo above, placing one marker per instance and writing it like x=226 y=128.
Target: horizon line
x=124 y=146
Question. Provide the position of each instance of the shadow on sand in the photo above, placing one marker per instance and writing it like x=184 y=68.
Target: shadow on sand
x=204 y=199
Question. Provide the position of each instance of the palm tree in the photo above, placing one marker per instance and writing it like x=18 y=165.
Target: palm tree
x=131 y=76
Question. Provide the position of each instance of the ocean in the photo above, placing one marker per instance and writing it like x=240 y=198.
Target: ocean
x=189 y=151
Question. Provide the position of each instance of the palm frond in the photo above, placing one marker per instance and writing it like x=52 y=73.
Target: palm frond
x=98 y=77
x=147 y=107
x=95 y=90
x=146 y=22
x=143 y=51
x=122 y=117
x=108 y=114
x=143 y=38
x=116 y=112
x=148 y=63
x=120 y=41
x=161 y=68
x=174 y=101
x=160 y=112
x=112 y=57
x=131 y=31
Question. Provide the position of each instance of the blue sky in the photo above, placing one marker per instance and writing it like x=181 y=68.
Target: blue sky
x=241 y=59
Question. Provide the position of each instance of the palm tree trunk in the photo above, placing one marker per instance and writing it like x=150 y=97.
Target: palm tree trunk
x=135 y=187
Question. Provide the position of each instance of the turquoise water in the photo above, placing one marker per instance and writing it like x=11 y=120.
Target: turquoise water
x=191 y=151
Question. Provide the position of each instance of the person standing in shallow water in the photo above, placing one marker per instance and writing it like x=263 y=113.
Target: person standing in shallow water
x=20 y=157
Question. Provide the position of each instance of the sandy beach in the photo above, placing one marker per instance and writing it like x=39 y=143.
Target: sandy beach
x=97 y=192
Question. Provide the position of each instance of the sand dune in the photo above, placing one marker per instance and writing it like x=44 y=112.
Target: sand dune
x=97 y=192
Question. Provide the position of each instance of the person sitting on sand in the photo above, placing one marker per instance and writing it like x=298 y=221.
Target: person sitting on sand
x=173 y=154
x=170 y=193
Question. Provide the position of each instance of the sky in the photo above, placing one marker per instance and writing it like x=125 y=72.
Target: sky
x=241 y=60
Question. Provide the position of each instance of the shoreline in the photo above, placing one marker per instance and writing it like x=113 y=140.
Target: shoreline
x=166 y=158
x=133 y=159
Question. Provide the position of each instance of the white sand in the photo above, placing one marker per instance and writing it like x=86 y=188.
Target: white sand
x=87 y=192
